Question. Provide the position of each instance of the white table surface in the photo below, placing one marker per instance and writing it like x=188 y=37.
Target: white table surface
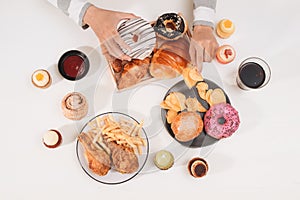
x=261 y=161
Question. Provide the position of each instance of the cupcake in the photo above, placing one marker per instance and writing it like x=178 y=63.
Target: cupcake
x=163 y=159
x=225 y=54
x=197 y=167
x=74 y=106
x=225 y=28
x=41 y=78
x=52 y=139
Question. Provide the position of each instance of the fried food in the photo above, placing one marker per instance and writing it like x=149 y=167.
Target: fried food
x=123 y=158
x=171 y=115
x=98 y=160
x=217 y=96
x=191 y=76
x=194 y=105
x=202 y=88
x=174 y=101
x=118 y=142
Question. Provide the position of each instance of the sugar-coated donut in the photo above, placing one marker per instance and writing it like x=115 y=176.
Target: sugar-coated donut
x=139 y=35
x=170 y=26
x=221 y=121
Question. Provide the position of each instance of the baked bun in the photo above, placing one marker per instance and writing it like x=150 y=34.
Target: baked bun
x=74 y=106
x=170 y=59
x=187 y=126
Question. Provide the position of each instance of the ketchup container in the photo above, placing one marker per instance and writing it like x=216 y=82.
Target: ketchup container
x=73 y=65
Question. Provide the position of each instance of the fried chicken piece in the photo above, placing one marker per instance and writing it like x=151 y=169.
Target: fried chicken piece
x=98 y=160
x=123 y=158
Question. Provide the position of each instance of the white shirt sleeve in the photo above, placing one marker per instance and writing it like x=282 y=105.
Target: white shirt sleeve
x=204 y=12
x=75 y=9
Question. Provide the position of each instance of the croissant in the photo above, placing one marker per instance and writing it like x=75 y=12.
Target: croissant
x=170 y=59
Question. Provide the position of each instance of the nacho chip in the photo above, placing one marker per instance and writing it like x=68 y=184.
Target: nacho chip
x=187 y=79
x=194 y=105
x=180 y=99
x=171 y=115
x=195 y=75
x=217 y=96
x=202 y=86
x=164 y=105
x=207 y=96
x=175 y=100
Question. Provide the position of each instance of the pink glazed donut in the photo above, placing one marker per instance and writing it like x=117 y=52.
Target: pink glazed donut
x=221 y=121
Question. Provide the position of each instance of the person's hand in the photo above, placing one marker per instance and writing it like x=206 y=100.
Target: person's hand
x=104 y=24
x=203 y=46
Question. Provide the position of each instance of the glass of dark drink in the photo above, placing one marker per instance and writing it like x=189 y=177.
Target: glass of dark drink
x=253 y=73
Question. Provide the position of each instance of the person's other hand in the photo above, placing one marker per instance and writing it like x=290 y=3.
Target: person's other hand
x=203 y=46
x=104 y=24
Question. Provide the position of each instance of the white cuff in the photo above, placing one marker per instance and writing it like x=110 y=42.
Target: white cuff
x=204 y=14
x=75 y=10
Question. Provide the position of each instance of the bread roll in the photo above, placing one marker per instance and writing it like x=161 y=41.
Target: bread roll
x=170 y=59
x=187 y=126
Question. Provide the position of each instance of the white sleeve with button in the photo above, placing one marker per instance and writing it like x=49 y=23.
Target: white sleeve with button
x=204 y=12
x=75 y=9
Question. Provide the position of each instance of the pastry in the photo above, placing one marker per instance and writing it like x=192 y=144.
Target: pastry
x=170 y=59
x=187 y=126
x=74 y=106
x=225 y=54
x=221 y=121
x=225 y=28
x=139 y=35
x=133 y=72
x=163 y=159
x=52 y=139
x=41 y=78
x=197 y=167
x=170 y=26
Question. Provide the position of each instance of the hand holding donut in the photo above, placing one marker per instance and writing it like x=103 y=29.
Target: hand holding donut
x=104 y=24
x=203 y=45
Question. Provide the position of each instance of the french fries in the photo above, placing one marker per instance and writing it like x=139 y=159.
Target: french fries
x=123 y=132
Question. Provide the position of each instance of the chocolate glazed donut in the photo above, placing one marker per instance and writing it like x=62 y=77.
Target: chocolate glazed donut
x=170 y=26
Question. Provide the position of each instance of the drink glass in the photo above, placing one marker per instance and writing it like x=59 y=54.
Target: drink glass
x=253 y=73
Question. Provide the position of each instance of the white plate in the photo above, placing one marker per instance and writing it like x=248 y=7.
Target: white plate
x=113 y=176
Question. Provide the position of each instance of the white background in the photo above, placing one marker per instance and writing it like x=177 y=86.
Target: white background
x=261 y=161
